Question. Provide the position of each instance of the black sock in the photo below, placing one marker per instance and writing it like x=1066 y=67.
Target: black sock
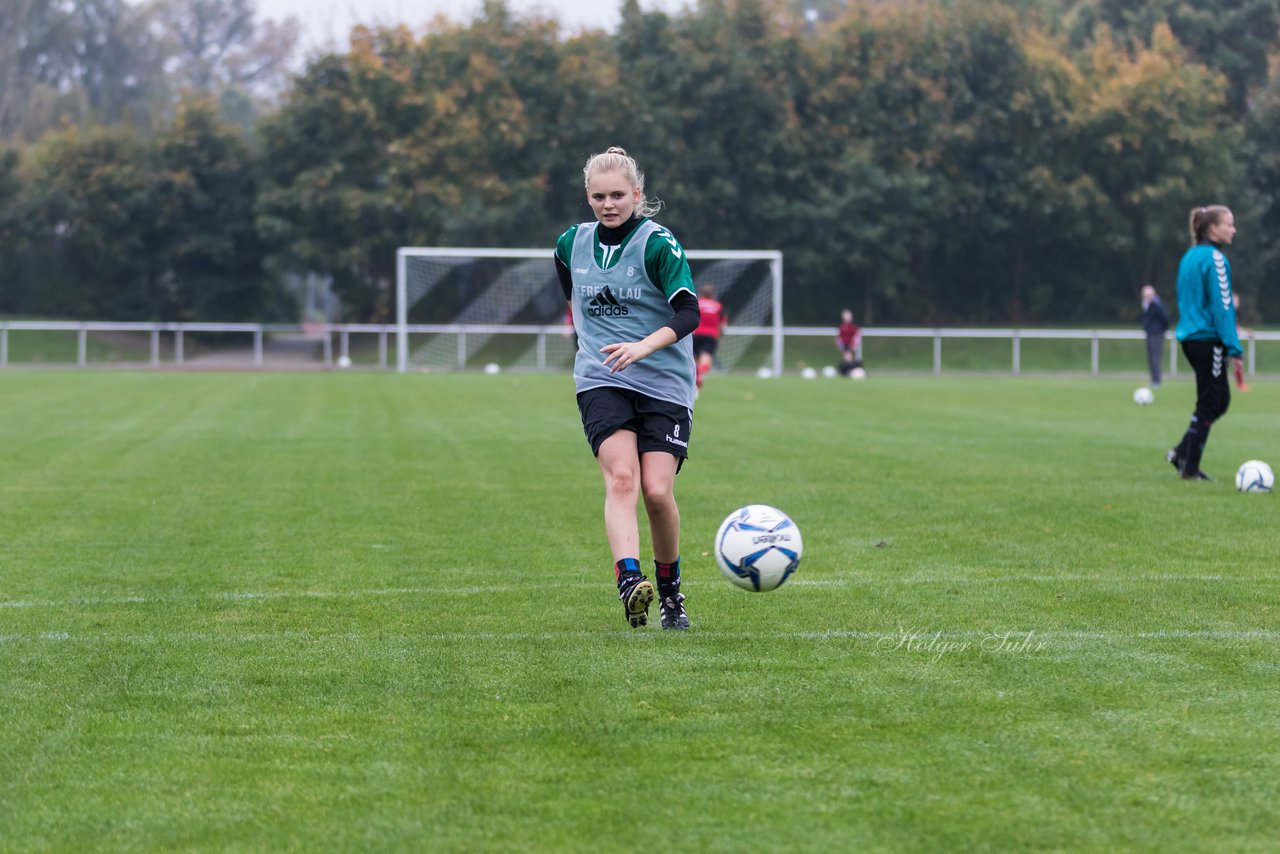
x=1193 y=432
x=1197 y=436
x=668 y=578
x=626 y=568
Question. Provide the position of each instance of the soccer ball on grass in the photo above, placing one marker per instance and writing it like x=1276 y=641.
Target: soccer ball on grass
x=758 y=547
x=1255 y=476
x=1144 y=397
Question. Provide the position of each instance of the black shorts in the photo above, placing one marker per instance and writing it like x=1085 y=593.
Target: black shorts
x=705 y=344
x=659 y=425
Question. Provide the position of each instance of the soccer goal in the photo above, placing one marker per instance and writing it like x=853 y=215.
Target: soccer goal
x=467 y=309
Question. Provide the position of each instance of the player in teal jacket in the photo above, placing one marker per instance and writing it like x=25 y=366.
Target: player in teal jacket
x=628 y=284
x=1207 y=330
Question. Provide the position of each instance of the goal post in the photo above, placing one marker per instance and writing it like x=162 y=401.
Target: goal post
x=462 y=308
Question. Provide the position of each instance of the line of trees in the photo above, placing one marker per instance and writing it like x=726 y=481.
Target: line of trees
x=923 y=161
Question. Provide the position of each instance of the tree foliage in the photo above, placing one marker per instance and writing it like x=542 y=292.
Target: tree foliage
x=1233 y=37
x=87 y=61
x=123 y=228
x=209 y=254
x=922 y=161
x=219 y=45
x=83 y=62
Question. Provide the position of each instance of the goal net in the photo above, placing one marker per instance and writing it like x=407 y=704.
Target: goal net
x=468 y=309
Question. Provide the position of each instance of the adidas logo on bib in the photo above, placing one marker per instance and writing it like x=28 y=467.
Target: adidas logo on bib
x=605 y=304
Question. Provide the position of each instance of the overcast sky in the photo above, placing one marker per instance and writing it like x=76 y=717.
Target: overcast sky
x=327 y=22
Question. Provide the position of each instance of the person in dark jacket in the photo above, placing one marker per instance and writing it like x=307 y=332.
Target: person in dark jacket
x=1155 y=322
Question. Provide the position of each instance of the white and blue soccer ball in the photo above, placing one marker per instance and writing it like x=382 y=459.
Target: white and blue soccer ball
x=1255 y=476
x=1144 y=396
x=758 y=547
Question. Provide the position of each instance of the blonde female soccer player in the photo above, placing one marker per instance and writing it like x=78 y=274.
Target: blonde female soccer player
x=1207 y=330
x=628 y=285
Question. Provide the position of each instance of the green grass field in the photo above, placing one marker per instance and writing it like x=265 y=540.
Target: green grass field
x=264 y=612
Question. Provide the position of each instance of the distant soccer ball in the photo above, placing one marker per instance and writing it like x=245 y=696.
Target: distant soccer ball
x=809 y=374
x=1144 y=397
x=764 y=373
x=344 y=361
x=829 y=371
x=858 y=374
x=1255 y=476
x=492 y=368
x=758 y=547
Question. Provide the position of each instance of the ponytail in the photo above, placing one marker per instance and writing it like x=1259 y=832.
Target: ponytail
x=1203 y=217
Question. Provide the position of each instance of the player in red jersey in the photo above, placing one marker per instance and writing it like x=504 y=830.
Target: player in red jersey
x=706 y=338
x=848 y=342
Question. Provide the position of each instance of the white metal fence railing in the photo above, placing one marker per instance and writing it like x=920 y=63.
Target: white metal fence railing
x=254 y=350
x=1017 y=336
x=331 y=342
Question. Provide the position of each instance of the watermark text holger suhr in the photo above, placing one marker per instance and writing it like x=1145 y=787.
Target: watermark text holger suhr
x=999 y=641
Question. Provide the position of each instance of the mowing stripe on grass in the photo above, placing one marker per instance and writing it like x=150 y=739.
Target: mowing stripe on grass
x=886 y=634
x=484 y=589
